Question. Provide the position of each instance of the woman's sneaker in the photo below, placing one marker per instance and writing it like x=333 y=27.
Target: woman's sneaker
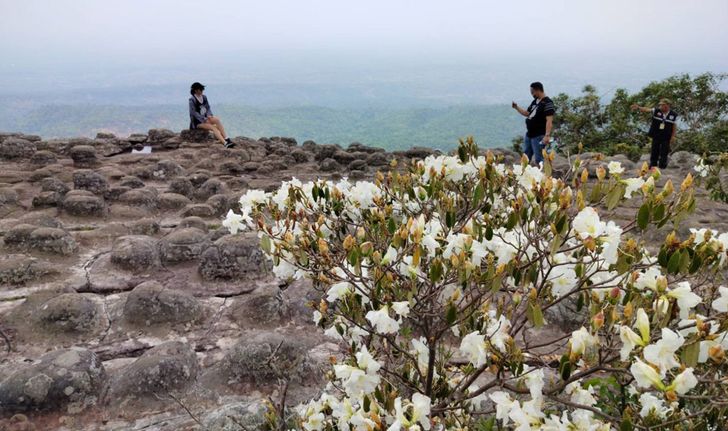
x=229 y=143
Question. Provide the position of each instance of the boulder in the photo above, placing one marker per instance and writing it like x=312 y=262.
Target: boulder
x=193 y=221
x=83 y=205
x=262 y=357
x=173 y=201
x=221 y=204
x=69 y=379
x=198 y=210
x=330 y=165
x=379 y=159
x=231 y=417
x=196 y=135
x=357 y=165
x=84 y=156
x=150 y=303
x=54 y=185
x=300 y=156
x=16 y=269
x=165 y=169
x=47 y=200
x=43 y=158
x=135 y=252
x=105 y=135
x=168 y=367
x=213 y=186
x=132 y=182
x=146 y=197
x=198 y=178
x=231 y=257
x=324 y=152
x=137 y=138
x=19 y=235
x=91 y=181
x=8 y=196
x=69 y=313
x=52 y=240
x=183 y=245
x=182 y=186
x=263 y=306
x=16 y=148
x=156 y=136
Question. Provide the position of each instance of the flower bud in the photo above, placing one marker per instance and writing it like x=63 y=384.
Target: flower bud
x=366 y=248
x=716 y=353
x=598 y=320
x=601 y=173
x=661 y=283
x=361 y=232
x=671 y=396
x=614 y=293
x=687 y=182
x=323 y=246
x=644 y=169
x=628 y=310
x=348 y=242
x=584 y=175
x=668 y=189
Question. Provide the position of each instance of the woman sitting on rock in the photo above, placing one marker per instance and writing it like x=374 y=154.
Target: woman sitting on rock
x=201 y=116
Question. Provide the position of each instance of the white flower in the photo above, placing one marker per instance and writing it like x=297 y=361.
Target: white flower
x=233 y=222
x=503 y=405
x=382 y=322
x=497 y=331
x=615 y=167
x=401 y=308
x=581 y=340
x=633 y=184
x=366 y=361
x=653 y=405
x=314 y=422
x=338 y=290
x=643 y=324
x=645 y=376
x=629 y=341
x=701 y=168
x=359 y=382
x=421 y=410
x=686 y=299
x=700 y=234
x=473 y=346
x=563 y=279
x=611 y=243
x=684 y=382
x=721 y=304
x=534 y=381
x=662 y=353
x=389 y=256
x=587 y=223
x=317 y=317
x=648 y=279
x=422 y=353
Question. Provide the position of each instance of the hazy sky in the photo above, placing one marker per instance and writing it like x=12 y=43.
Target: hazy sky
x=57 y=29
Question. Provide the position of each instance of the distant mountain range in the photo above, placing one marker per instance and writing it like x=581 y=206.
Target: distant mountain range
x=393 y=129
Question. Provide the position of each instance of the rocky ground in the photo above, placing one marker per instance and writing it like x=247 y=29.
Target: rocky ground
x=124 y=304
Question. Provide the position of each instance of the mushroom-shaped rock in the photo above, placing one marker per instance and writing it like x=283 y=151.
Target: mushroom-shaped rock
x=84 y=156
x=83 y=204
x=232 y=256
x=196 y=135
x=52 y=240
x=213 y=186
x=167 y=169
x=135 y=252
x=150 y=303
x=183 y=245
x=259 y=357
x=198 y=210
x=16 y=148
x=173 y=201
x=181 y=186
x=166 y=368
x=156 y=136
x=43 y=158
x=146 y=197
x=64 y=378
x=18 y=269
x=132 y=182
x=69 y=313
x=91 y=181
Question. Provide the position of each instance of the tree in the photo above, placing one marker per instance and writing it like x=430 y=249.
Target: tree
x=613 y=128
x=435 y=279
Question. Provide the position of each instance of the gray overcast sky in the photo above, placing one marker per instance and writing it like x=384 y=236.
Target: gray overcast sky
x=32 y=29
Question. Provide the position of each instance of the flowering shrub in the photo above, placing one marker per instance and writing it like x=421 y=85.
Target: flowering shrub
x=708 y=172
x=438 y=281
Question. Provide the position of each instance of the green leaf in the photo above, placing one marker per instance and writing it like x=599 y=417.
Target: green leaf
x=452 y=314
x=614 y=196
x=684 y=262
x=690 y=354
x=450 y=219
x=391 y=226
x=555 y=244
x=626 y=425
x=489 y=233
x=696 y=264
x=265 y=243
x=643 y=216
x=673 y=265
x=512 y=220
x=658 y=212
x=435 y=271
x=565 y=367
x=596 y=193
x=478 y=194
x=535 y=315
x=662 y=257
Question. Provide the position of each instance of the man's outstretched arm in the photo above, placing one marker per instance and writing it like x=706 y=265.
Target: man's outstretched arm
x=636 y=107
x=520 y=110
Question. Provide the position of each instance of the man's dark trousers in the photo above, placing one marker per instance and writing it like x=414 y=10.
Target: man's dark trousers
x=660 y=150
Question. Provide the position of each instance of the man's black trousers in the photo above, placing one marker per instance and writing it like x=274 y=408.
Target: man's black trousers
x=660 y=150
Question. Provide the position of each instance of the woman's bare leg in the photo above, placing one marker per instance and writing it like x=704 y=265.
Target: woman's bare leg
x=216 y=121
x=213 y=129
